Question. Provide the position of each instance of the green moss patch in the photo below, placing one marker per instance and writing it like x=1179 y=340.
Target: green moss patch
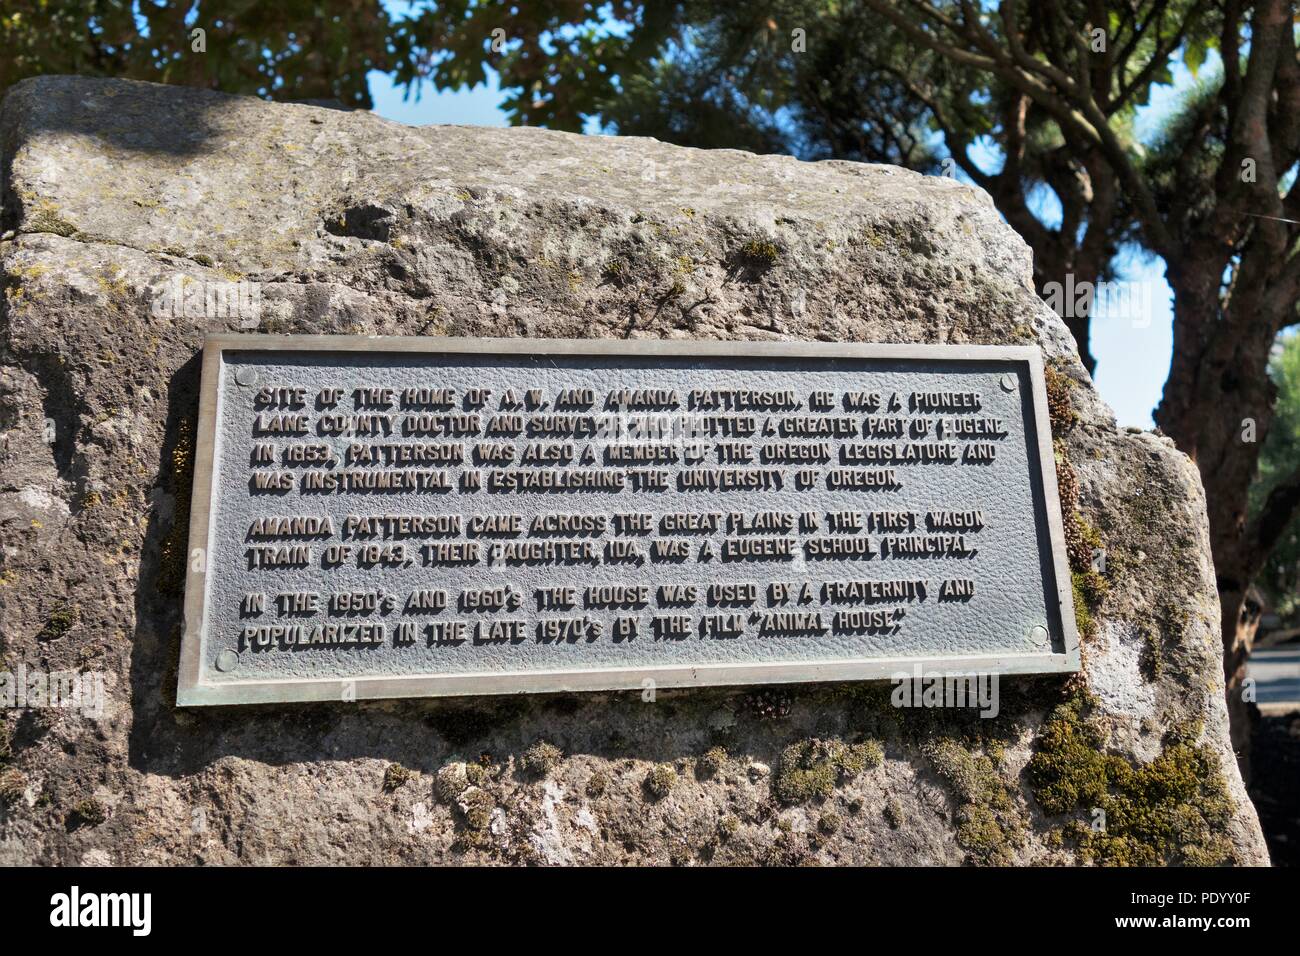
x=711 y=763
x=990 y=825
x=1089 y=589
x=1060 y=408
x=1173 y=810
x=395 y=776
x=86 y=813
x=12 y=786
x=659 y=782
x=758 y=253
x=1153 y=655
x=1082 y=540
x=476 y=807
x=894 y=813
x=597 y=784
x=541 y=758
x=59 y=622
x=811 y=769
x=615 y=272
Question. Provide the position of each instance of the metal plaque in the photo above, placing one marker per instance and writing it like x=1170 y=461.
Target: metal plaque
x=394 y=517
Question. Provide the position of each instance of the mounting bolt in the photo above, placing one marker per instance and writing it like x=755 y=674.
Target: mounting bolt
x=1008 y=382
x=227 y=660
x=1038 y=634
x=246 y=376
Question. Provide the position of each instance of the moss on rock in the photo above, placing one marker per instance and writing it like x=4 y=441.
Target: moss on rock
x=1172 y=810
x=541 y=758
x=769 y=703
x=476 y=806
x=451 y=781
x=47 y=219
x=395 y=777
x=811 y=769
x=759 y=253
x=990 y=825
x=711 y=762
x=1060 y=409
x=1153 y=654
x=597 y=784
x=1088 y=589
x=85 y=813
x=659 y=782
x=1082 y=541
x=894 y=813
x=12 y=785
x=58 y=623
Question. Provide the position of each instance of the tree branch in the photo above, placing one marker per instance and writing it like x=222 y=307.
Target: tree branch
x=1083 y=116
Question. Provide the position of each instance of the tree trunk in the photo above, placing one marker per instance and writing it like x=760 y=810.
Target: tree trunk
x=1240 y=620
x=1217 y=406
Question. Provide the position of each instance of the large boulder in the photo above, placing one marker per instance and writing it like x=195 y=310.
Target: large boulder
x=115 y=191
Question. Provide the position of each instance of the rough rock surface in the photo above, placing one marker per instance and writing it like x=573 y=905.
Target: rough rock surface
x=351 y=224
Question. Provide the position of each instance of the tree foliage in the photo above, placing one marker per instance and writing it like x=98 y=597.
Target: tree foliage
x=1279 y=459
x=558 y=59
x=1023 y=98
x=288 y=50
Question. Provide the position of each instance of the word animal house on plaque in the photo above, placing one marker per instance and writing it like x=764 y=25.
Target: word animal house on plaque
x=393 y=517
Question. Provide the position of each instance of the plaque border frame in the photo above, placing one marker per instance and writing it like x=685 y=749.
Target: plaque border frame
x=193 y=691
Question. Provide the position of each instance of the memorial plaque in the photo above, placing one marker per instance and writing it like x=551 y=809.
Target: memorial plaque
x=392 y=517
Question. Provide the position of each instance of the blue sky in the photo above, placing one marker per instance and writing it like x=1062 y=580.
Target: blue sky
x=1132 y=353
x=476 y=107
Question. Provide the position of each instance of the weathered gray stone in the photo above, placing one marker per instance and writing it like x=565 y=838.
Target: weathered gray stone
x=355 y=225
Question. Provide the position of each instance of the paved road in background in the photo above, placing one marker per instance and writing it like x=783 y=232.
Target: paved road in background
x=1277 y=678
